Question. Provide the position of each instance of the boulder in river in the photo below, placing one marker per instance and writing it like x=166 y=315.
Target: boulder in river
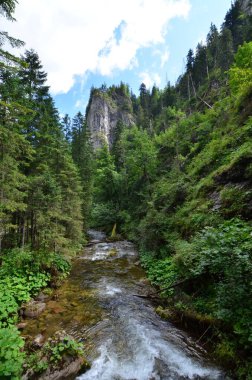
x=33 y=309
x=62 y=358
x=38 y=341
x=42 y=297
x=69 y=369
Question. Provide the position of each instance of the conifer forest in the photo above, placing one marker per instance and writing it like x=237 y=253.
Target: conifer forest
x=173 y=176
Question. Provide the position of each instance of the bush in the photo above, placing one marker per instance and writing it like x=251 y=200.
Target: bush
x=224 y=255
x=162 y=273
x=22 y=275
x=11 y=357
x=56 y=353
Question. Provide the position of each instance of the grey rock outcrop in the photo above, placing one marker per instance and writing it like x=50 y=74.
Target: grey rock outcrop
x=246 y=6
x=104 y=112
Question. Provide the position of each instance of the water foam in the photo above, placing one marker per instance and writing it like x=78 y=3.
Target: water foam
x=135 y=343
x=144 y=355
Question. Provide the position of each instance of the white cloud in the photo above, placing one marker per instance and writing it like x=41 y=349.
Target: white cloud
x=201 y=40
x=73 y=38
x=164 y=58
x=149 y=79
x=163 y=54
x=81 y=104
x=78 y=103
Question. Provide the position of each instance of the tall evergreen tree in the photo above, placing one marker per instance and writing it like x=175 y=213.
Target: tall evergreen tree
x=212 y=46
x=66 y=123
x=82 y=153
x=190 y=60
x=225 y=50
x=77 y=127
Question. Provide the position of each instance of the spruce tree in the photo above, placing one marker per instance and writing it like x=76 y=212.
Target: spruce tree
x=82 y=153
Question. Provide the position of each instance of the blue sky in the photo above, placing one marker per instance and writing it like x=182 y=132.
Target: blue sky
x=83 y=44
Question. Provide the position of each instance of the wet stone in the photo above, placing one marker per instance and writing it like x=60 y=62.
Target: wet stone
x=42 y=297
x=38 y=341
x=33 y=309
x=21 y=325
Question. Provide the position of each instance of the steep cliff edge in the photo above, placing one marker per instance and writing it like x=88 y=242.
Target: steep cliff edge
x=105 y=109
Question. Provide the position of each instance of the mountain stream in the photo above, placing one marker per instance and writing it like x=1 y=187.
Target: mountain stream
x=124 y=338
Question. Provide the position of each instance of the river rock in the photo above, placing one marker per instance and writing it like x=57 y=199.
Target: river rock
x=55 y=307
x=95 y=241
x=70 y=369
x=21 y=325
x=42 y=297
x=38 y=341
x=33 y=309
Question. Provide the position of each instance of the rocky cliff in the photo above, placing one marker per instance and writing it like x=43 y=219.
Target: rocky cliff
x=105 y=110
x=246 y=6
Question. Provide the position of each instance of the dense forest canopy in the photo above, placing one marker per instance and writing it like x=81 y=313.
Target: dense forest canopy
x=178 y=182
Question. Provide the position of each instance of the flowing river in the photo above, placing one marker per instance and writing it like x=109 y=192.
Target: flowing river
x=125 y=339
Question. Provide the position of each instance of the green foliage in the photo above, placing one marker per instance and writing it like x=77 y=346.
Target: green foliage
x=162 y=273
x=39 y=206
x=240 y=74
x=235 y=200
x=224 y=255
x=36 y=363
x=11 y=357
x=225 y=351
x=54 y=354
x=67 y=346
x=8 y=307
x=103 y=215
x=22 y=275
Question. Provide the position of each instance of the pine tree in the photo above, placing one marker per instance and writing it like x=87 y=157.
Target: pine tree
x=66 y=123
x=234 y=22
x=155 y=102
x=200 y=67
x=82 y=152
x=190 y=60
x=86 y=169
x=33 y=78
x=212 y=46
x=77 y=127
x=225 y=50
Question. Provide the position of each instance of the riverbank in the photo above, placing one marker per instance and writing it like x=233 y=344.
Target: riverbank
x=23 y=275
x=189 y=306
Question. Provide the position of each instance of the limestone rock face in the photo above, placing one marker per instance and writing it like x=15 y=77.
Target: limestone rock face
x=104 y=112
x=246 y=6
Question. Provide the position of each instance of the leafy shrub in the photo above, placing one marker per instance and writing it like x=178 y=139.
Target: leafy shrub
x=234 y=200
x=69 y=346
x=240 y=75
x=224 y=254
x=103 y=215
x=60 y=263
x=22 y=275
x=11 y=357
x=54 y=354
x=162 y=273
x=8 y=307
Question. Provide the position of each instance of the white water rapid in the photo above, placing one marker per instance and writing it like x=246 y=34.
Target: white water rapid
x=133 y=342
